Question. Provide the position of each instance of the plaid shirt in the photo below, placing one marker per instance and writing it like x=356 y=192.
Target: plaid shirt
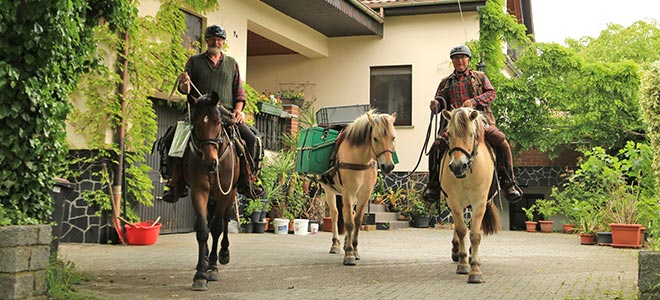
x=457 y=88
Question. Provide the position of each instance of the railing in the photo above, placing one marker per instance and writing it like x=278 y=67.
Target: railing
x=272 y=129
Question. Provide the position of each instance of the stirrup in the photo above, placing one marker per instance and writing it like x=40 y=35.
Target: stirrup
x=431 y=193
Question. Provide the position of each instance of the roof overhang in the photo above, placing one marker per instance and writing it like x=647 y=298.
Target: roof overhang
x=332 y=18
x=420 y=7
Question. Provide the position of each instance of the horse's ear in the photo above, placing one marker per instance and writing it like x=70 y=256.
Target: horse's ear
x=446 y=114
x=214 y=98
x=370 y=118
x=394 y=116
x=192 y=100
x=474 y=114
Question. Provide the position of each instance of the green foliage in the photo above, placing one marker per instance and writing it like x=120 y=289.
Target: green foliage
x=46 y=46
x=546 y=208
x=155 y=58
x=529 y=212
x=62 y=279
x=650 y=102
x=254 y=205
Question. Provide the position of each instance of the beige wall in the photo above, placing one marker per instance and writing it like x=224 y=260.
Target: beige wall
x=342 y=78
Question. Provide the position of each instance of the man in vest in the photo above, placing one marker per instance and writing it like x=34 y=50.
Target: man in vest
x=215 y=71
x=466 y=87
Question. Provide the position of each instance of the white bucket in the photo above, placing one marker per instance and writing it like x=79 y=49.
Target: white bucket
x=314 y=228
x=281 y=226
x=300 y=226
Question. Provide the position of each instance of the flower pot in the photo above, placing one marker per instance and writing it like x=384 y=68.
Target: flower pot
x=546 y=226
x=626 y=235
x=531 y=226
x=259 y=227
x=327 y=224
x=255 y=217
x=587 y=238
x=604 y=238
x=568 y=228
x=421 y=221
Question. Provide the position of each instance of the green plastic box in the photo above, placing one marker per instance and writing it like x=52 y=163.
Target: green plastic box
x=314 y=149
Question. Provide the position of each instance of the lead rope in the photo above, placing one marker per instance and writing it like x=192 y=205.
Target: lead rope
x=233 y=166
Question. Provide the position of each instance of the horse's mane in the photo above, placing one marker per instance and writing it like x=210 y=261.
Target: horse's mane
x=460 y=120
x=358 y=133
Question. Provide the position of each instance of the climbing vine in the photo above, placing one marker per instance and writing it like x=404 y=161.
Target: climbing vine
x=156 y=57
x=649 y=93
x=46 y=45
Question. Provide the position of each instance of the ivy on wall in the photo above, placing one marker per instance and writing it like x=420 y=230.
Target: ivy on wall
x=649 y=93
x=45 y=48
x=156 y=57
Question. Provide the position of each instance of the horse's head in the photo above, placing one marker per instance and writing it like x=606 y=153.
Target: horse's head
x=206 y=123
x=466 y=129
x=382 y=139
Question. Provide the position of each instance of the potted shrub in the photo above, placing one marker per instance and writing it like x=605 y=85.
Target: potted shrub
x=587 y=223
x=412 y=205
x=546 y=208
x=529 y=213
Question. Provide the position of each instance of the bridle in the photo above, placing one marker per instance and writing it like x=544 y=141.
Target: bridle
x=196 y=145
x=470 y=155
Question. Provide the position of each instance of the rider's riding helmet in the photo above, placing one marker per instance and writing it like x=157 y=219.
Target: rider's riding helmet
x=215 y=30
x=461 y=49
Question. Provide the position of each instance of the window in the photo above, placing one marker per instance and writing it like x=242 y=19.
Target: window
x=391 y=91
x=192 y=37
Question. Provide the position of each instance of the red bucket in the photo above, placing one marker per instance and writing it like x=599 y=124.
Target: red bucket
x=142 y=233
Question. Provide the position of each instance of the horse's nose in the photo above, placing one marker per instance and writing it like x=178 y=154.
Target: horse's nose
x=386 y=168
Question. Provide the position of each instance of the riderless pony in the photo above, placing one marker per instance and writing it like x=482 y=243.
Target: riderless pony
x=211 y=169
x=466 y=175
x=365 y=146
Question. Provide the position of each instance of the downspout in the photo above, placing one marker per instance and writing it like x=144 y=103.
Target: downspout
x=367 y=10
x=121 y=132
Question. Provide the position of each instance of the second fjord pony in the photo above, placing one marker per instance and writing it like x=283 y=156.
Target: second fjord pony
x=466 y=173
x=366 y=145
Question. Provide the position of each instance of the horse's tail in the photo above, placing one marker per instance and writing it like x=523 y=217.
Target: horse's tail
x=340 y=217
x=491 y=221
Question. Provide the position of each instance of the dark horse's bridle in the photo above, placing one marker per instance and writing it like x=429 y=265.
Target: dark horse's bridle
x=197 y=144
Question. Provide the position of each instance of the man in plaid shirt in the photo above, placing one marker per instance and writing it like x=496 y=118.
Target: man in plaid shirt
x=465 y=87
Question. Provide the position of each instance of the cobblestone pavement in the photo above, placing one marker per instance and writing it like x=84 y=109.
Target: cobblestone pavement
x=395 y=264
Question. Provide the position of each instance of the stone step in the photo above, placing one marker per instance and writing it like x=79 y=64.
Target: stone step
x=392 y=225
x=372 y=207
x=382 y=217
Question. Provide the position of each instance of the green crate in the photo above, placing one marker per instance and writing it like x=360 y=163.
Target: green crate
x=271 y=109
x=314 y=149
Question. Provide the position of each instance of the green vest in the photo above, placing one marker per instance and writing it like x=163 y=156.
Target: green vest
x=208 y=79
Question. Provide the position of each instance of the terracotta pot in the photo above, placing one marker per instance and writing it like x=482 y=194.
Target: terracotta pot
x=587 y=238
x=327 y=224
x=531 y=226
x=626 y=235
x=546 y=226
x=568 y=228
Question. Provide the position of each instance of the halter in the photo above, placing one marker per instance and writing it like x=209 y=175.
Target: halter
x=470 y=155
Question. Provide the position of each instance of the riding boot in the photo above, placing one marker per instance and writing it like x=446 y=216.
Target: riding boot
x=432 y=191
x=505 y=171
x=175 y=188
x=248 y=184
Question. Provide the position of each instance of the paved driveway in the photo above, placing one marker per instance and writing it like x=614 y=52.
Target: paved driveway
x=396 y=264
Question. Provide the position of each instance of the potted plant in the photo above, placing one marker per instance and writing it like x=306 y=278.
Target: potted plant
x=291 y=96
x=529 y=213
x=546 y=208
x=587 y=222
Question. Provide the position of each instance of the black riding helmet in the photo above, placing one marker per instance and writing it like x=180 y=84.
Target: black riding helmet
x=215 y=30
x=461 y=49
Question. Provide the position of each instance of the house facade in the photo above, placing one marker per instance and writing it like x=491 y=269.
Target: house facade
x=390 y=54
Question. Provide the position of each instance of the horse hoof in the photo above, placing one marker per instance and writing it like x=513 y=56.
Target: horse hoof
x=334 y=250
x=212 y=275
x=200 y=285
x=454 y=257
x=475 y=278
x=460 y=269
x=223 y=260
x=349 y=261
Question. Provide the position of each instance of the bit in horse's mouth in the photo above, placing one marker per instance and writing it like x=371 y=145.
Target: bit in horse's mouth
x=460 y=175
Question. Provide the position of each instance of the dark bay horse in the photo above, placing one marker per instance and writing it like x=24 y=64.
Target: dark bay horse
x=365 y=146
x=466 y=173
x=211 y=169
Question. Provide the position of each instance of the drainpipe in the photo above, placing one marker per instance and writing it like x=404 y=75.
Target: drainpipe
x=121 y=132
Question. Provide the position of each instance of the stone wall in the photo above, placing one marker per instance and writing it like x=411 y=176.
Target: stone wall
x=24 y=253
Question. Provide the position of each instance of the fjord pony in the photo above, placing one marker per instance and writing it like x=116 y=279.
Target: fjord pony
x=365 y=146
x=211 y=169
x=466 y=174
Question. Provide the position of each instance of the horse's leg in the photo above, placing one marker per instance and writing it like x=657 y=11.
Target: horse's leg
x=359 y=214
x=475 y=275
x=224 y=245
x=458 y=250
x=331 y=200
x=199 y=200
x=349 y=223
x=216 y=229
